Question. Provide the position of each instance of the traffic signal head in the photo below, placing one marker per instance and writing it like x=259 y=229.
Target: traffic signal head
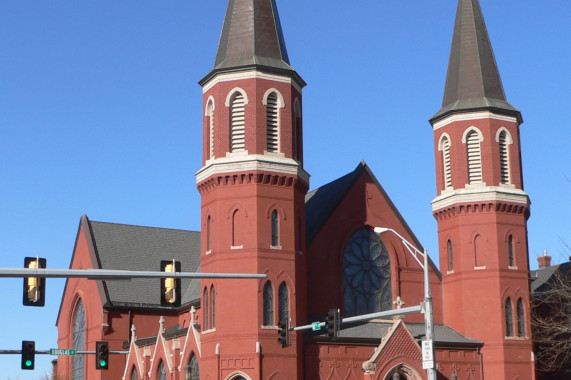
x=34 y=287
x=101 y=355
x=283 y=333
x=170 y=286
x=332 y=322
x=28 y=354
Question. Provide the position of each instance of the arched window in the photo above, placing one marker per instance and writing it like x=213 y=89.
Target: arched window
x=208 y=234
x=520 y=319
x=235 y=226
x=504 y=157
x=511 y=256
x=509 y=318
x=478 y=247
x=237 y=122
x=275 y=229
x=212 y=308
x=272 y=122
x=445 y=148
x=205 y=304
x=450 y=256
x=210 y=119
x=134 y=375
x=162 y=372
x=283 y=299
x=268 y=301
x=78 y=342
x=192 y=370
x=297 y=133
x=474 y=157
x=366 y=275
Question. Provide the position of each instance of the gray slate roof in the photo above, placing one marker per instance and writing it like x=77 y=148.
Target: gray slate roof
x=473 y=81
x=120 y=246
x=374 y=330
x=542 y=278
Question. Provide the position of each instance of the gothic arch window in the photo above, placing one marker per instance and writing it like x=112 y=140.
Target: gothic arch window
x=478 y=251
x=162 y=371
x=212 y=308
x=210 y=121
x=509 y=318
x=205 y=304
x=272 y=122
x=366 y=275
x=450 y=255
x=192 y=370
x=78 y=341
x=208 y=233
x=473 y=138
x=444 y=146
x=297 y=133
x=283 y=302
x=235 y=227
x=504 y=140
x=268 y=302
x=520 y=319
x=134 y=375
x=237 y=122
x=511 y=257
x=275 y=228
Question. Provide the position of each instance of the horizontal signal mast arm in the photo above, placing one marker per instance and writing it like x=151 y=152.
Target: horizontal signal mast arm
x=116 y=274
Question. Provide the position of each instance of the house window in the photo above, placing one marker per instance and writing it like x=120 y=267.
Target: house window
x=520 y=319
x=212 y=308
x=272 y=122
x=283 y=299
x=450 y=257
x=504 y=157
x=162 y=372
x=445 y=147
x=210 y=119
x=474 y=157
x=237 y=115
x=78 y=342
x=205 y=304
x=366 y=275
x=268 y=302
x=192 y=371
x=511 y=251
x=509 y=318
x=275 y=229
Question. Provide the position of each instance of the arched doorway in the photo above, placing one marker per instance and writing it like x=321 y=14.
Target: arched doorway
x=402 y=371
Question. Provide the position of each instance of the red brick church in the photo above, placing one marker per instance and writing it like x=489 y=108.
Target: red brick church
x=317 y=248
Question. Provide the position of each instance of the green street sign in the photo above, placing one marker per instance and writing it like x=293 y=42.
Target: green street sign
x=62 y=351
x=316 y=326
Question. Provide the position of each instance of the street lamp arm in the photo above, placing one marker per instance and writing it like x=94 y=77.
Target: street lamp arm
x=415 y=252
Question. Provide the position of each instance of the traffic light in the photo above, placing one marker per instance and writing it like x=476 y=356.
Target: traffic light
x=101 y=355
x=170 y=286
x=283 y=333
x=332 y=322
x=34 y=287
x=28 y=354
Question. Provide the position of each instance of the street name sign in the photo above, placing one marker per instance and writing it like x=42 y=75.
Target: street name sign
x=316 y=326
x=62 y=351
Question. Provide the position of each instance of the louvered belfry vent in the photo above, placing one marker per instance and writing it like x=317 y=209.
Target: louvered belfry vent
x=504 y=158
x=447 y=165
x=272 y=123
x=238 y=137
x=211 y=130
x=474 y=158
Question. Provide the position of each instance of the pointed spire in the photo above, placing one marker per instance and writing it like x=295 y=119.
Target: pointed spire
x=251 y=37
x=473 y=81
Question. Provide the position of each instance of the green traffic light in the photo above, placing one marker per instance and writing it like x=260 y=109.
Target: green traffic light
x=28 y=363
x=103 y=363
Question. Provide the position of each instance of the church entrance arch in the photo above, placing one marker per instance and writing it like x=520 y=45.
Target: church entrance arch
x=402 y=371
x=238 y=376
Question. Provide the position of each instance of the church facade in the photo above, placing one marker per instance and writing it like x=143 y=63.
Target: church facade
x=318 y=248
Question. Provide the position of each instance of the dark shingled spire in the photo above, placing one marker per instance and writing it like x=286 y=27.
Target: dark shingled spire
x=473 y=80
x=252 y=38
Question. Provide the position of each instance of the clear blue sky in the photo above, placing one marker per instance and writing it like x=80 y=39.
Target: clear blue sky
x=100 y=114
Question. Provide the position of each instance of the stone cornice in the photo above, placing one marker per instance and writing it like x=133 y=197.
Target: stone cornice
x=250 y=74
x=472 y=116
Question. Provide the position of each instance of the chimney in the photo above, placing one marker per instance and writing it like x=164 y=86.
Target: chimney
x=544 y=261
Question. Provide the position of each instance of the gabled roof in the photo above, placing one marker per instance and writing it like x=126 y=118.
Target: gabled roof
x=252 y=37
x=473 y=81
x=542 y=278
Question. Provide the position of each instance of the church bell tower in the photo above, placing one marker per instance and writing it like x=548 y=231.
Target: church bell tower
x=252 y=185
x=481 y=207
